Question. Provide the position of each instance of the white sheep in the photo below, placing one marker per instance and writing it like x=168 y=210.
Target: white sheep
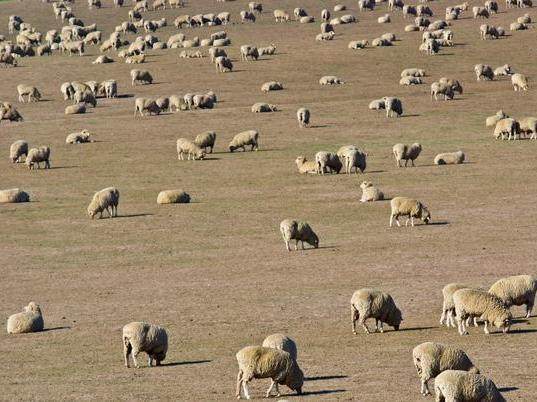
x=393 y=106
x=31 y=92
x=377 y=104
x=520 y=82
x=327 y=162
x=358 y=44
x=14 y=195
x=407 y=153
x=36 y=156
x=403 y=206
x=262 y=107
x=484 y=72
x=206 y=140
x=304 y=166
x=303 y=117
x=492 y=120
x=370 y=192
x=413 y=72
x=173 y=197
x=190 y=148
x=459 y=385
x=141 y=76
x=30 y=320
x=17 y=150
x=410 y=81
x=449 y=158
x=271 y=86
x=241 y=140
x=354 y=158
x=292 y=229
x=143 y=337
x=371 y=303
x=142 y=105
x=76 y=109
x=448 y=306
x=281 y=342
x=528 y=126
x=503 y=71
x=79 y=138
x=103 y=200
x=516 y=291
x=330 y=80
x=507 y=127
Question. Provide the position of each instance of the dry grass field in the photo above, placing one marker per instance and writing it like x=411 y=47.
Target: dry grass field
x=215 y=272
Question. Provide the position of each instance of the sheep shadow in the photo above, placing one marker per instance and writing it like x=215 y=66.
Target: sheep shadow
x=324 y=392
x=55 y=328
x=124 y=96
x=319 y=126
x=415 y=329
x=189 y=362
x=211 y=159
x=325 y=377
x=133 y=215
x=508 y=389
x=61 y=167
x=375 y=171
x=519 y=331
x=520 y=320
x=439 y=223
x=410 y=115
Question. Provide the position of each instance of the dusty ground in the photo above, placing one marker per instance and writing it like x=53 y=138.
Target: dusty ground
x=215 y=272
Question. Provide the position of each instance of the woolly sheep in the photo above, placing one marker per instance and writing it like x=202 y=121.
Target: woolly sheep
x=32 y=93
x=483 y=71
x=371 y=303
x=324 y=36
x=206 y=140
x=358 y=44
x=85 y=97
x=103 y=200
x=143 y=337
x=255 y=7
x=108 y=88
x=262 y=362
x=327 y=162
x=280 y=16
x=339 y=7
x=271 y=86
x=517 y=26
x=516 y=291
x=299 y=231
x=411 y=28
x=507 y=127
x=503 y=71
x=30 y=320
x=8 y=112
x=327 y=28
x=104 y=59
x=380 y=42
x=488 y=31
x=403 y=206
x=520 y=82
x=384 y=19
x=330 y=80
x=281 y=342
x=173 y=197
x=17 y=150
x=432 y=358
x=14 y=195
x=325 y=15
x=249 y=52
x=268 y=50
x=524 y=19
x=79 y=138
x=449 y=158
x=241 y=140
x=458 y=385
x=393 y=106
x=410 y=81
x=407 y=153
x=377 y=104
x=262 y=107
x=528 y=125
x=492 y=120
x=189 y=148
x=163 y=102
x=478 y=303
x=223 y=64
x=303 y=117
x=76 y=109
x=491 y=6
x=354 y=158
x=141 y=76
x=480 y=12
x=455 y=85
x=448 y=306
x=304 y=166
x=370 y=193
x=36 y=156
x=142 y=105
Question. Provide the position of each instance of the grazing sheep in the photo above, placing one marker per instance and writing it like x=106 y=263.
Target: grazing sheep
x=241 y=140
x=262 y=362
x=520 y=82
x=491 y=6
x=403 y=206
x=36 y=156
x=263 y=108
x=215 y=52
x=503 y=71
x=32 y=93
x=299 y=231
x=303 y=117
x=142 y=105
x=14 y=195
x=17 y=150
x=431 y=359
x=103 y=200
x=489 y=31
x=478 y=303
x=439 y=88
x=448 y=306
x=76 y=109
x=483 y=71
x=492 y=120
x=354 y=158
x=507 y=127
x=108 y=88
x=281 y=342
x=407 y=153
x=516 y=291
x=143 y=337
x=481 y=12
x=173 y=197
x=430 y=46
x=85 y=97
x=204 y=101
x=449 y=158
x=339 y=7
x=249 y=52
x=528 y=125
x=370 y=193
x=358 y=44
x=271 y=86
x=327 y=28
x=141 y=76
x=459 y=385
x=455 y=85
x=280 y=16
x=30 y=320
x=190 y=148
x=393 y=106
x=330 y=80
x=223 y=64
x=409 y=10
x=304 y=166
x=79 y=138
x=371 y=303
x=104 y=59
x=247 y=16
x=206 y=140
x=327 y=162
x=325 y=15
x=377 y=104
x=268 y=50
x=410 y=81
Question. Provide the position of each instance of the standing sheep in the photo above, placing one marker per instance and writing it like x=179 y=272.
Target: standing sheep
x=30 y=320
x=402 y=206
x=327 y=162
x=449 y=158
x=303 y=117
x=520 y=82
x=377 y=104
x=354 y=158
x=492 y=120
x=393 y=106
x=142 y=105
x=516 y=291
x=507 y=127
x=206 y=140
x=14 y=195
x=528 y=126
x=173 y=197
x=372 y=303
x=370 y=193
x=300 y=231
x=32 y=93
x=448 y=306
x=484 y=71
x=407 y=153
x=141 y=76
x=281 y=342
x=143 y=337
x=458 y=385
x=188 y=147
x=241 y=140
x=17 y=150
x=249 y=52
x=102 y=200
x=36 y=156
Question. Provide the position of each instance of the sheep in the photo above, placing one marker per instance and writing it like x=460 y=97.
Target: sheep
x=407 y=153
x=190 y=148
x=432 y=358
x=190 y=55
x=104 y=59
x=204 y=101
x=442 y=89
x=528 y=125
x=304 y=166
x=206 y=140
x=299 y=12
x=491 y=6
x=145 y=104
x=354 y=158
x=79 y=138
x=135 y=59
x=524 y=19
x=142 y=76
x=385 y=19
x=325 y=15
x=403 y=206
x=85 y=97
x=255 y=7
x=524 y=3
x=380 y=42
x=520 y=82
x=516 y=291
x=14 y=195
x=281 y=342
x=247 y=16
x=339 y=7
x=299 y=231
x=215 y=52
x=307 y=19
x=30 y=320
x=422 y=10
x=223 y=64
x=271 y=86
x=509 y=127
x=73 y=47
x=455 y=85
x=32 y=93
x=93 y=38
x=326 y=28
x=517 y=26
x=448 y=306
x=44 y=49
x=17 y=150
x=492 y=120
x=347 y=19
x=221 y=42
x=459 y=385
x=143 y=337
x=108 y=88
x=411 y=28
x=409 y=10
x=177 y=103
x=478 y=303
x=488 y=31
x=483 y=71
x=370 y=193
x=263 y=362
x=263 y=108
x=249 y=52
x=280 y=16
x=449 y=158
x=327 y=162
x=410 y=81
x=173 y=197
x=303 y=117
x=176 y=3
x=268 y=50
x=8 y=112
x=324 y=36
x=358 y=44
x=36 y=156
x=480 y=12
x=241 y=140
x=103 y=200
x=372 y=303
x=393 y=106
x=430 y=47
x=330 y=80
x=377 y=104
x=366 y=5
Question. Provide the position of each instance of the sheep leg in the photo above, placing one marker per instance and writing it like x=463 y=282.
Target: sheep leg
x=379 y=326
x=529 y=307
x=443 y=317
x=273 y=385
x=301 y=241
x=239 y=383
x=149 y=361
x=245 y=389
x=462 y=329
x=287 y=245
x=412 y=161
x=127 y=348
x=475 y=322
x=486 y=327
x=134 y=355
x=362 y=322
x=296 y=245
x=354 y=317
x=425 y=388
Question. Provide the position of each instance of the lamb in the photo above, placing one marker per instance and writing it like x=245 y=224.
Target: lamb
x=104 y=59
x=206 y=140
x=36 y=156
x=17 y=150
x=370 y=193
x=432 y=358
x=143 y=337
x=327 y=161
x=492 y=120
x=377 y=104
x=103 y=200
x=271 y=86
x=508 y=126
x=372 y=303
x=79 y=138
x=483 y=71
x=32 y=93
x=14 y=195
x=407 y=153
x=190 y=148
x=30 y=320
x=358 y=44
x=393 y=106
x=354 y=158
x=458 y=385
x=142 y=105
x=263 y=107
x=142 y=76
x=529 y=126
x=330 y=80
x=223 y=64
x=303 y=117
x=410 y=81
x=304 y=166
x=403 y=206
x=173 y=197
x=449 y=158
x=516 y=291
x=241 y=140
x=299 y=231
x=262 y=362
x=520 y=82
x=448 y=306
x=503 y=71
x=478 y=303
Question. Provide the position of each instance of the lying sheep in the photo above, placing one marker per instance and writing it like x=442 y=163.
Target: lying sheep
x=142 y=105
x=241 y=140
x=528 y=126
x=407 y=153
x=327 y=162
x=449 y=158
x=517 y=26
x=372 y=303
x=358 y=44
x=325 y=36
x=458 y=385
x=103 y=200
x=32 y=93
x=135 y=59
x=410 y=81
x=76 y=109
x=377 y=104
x=330 y=80
x=271 y=86
x=14 y=195
x=516 y=291
x=483 y=72
x=520 y=82
x=384 y=19
x=30 y=320
x=189 y=148
x=104 y=59
x=403 y=206
x=412 y=72
x=303 y=117
x=478 y=303
x=393 y=106
x=263 y=108
x=370 y=193
x=281 y=342
x=185 y=54
x=299 y=231
x=492 y=120
x=503 y=71
x=79 y=138
x=304 y=166
x=143 y=337
x=17 y=150
x=36 y=156
x=507 y=127
x=206 y=140
x=262 y=362
x=380 y=42
x=431 y=359
x=448 y=306
x=173 y=197
x=141 y=76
